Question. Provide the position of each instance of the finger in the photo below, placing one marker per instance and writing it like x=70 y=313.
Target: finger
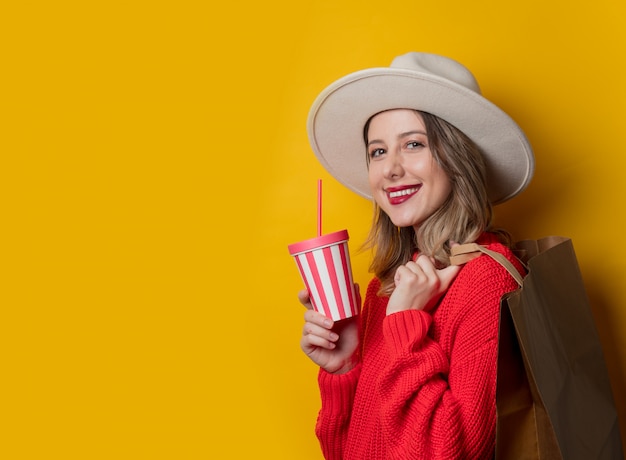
x=426 y=267
x=305 y=298
x=448 y=274
x=315 y=336
x=313 y=330
x=314 y=317
x=411 y=269
x=424 y=261
x=309 y=343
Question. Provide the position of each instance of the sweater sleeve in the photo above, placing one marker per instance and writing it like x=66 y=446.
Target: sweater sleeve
x=438 y=397
x=337 y=394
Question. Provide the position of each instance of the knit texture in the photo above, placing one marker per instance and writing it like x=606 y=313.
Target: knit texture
x=425 y=386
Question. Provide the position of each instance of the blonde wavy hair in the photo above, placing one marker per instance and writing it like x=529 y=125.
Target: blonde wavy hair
x=464 y=216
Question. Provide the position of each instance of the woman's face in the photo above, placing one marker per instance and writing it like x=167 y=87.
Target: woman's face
x=406 y=181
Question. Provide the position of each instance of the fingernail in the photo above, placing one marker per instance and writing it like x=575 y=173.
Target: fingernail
x=333 y=336
x=328 y=323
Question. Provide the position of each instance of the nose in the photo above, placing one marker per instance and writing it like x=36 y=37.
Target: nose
x=393 y=168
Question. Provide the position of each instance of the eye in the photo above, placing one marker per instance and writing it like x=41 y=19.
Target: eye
x=414 y=145
x=375 y=153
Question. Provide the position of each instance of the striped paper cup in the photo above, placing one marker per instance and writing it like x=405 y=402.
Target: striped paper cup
x=324 y=264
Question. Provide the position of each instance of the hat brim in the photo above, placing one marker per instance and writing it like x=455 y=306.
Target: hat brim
x=338 y=116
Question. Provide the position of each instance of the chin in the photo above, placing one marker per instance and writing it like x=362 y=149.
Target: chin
x=402 y=223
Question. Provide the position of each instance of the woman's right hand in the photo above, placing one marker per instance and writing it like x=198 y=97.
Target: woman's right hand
x=331 y=345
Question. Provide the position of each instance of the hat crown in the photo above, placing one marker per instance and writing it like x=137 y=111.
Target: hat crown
x=438 y=66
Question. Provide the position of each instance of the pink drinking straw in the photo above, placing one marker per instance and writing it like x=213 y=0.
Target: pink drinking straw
x=319 y=207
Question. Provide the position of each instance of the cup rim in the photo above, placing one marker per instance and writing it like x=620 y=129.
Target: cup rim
x=318 y=242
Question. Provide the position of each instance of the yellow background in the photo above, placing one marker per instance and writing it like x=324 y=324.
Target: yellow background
x=155 y=165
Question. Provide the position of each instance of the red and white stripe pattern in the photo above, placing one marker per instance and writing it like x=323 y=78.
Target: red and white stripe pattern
x=327 y=274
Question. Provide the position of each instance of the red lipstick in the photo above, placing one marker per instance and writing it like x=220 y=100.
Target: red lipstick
x=398 y=195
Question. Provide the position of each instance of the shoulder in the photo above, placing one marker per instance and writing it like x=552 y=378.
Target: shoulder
x=484 y=269
x=373 y=303
x=483 y=281
x=474 y=297
x=372 y=297
x=373 y=287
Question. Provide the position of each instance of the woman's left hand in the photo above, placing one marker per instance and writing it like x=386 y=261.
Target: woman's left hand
x=420 y=285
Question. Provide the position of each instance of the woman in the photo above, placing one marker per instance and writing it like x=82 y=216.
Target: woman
x=414 y=376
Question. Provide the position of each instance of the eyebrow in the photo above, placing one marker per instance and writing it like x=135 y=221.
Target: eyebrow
x=400 y=136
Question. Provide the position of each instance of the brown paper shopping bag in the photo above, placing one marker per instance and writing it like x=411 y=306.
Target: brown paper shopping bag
x=554 y=397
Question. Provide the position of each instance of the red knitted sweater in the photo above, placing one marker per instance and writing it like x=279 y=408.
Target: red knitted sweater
x=425 y=386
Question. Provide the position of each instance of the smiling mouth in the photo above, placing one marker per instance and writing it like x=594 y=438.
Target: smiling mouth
x=404 y=192
x=399 y=196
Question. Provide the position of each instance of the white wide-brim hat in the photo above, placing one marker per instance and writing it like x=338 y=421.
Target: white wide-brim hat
x=425 y=82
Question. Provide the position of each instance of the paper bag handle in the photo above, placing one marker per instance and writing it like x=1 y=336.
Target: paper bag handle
x=463 y=253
